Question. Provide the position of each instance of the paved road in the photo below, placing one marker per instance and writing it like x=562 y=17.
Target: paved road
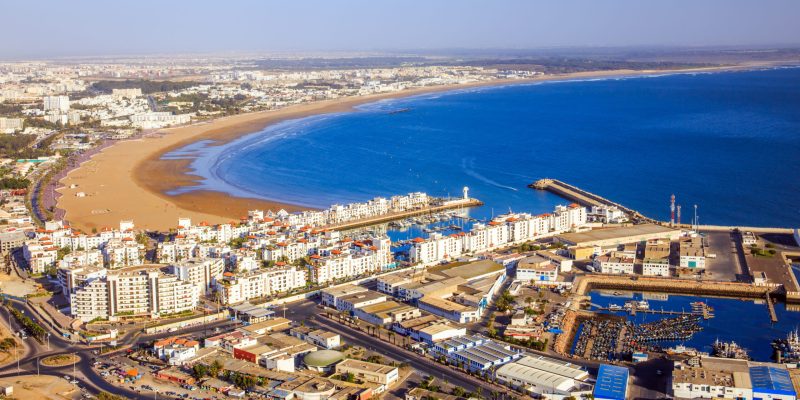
x=414 y=360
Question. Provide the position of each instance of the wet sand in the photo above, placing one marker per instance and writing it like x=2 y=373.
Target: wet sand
x=129 y=180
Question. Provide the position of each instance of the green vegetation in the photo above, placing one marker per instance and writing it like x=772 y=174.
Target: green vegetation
x=108 y=396
x=7 y=344
x=19 y=146
x=505 y=302
x=14 y=183
x=35 y=329
x=759 y=252
x=146 y=85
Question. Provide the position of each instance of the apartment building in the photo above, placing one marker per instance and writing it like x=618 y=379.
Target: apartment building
x=202 y=272
x=133 y=291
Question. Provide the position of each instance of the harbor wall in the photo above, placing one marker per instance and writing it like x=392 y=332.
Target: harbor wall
x=405 y=214
x=666 y=285
x=590 y=199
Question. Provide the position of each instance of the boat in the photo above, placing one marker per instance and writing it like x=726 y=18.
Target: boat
x=728 y=350
x=787 y=350
x=681 y=349
x=639 y=305
x=614 y=307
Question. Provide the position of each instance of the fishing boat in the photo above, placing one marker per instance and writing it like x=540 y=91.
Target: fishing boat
x=639 y=305
x=614 y=307
x=787 y=350
x=729 y=350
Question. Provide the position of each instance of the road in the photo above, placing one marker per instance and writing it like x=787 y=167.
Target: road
x=416 y=361
x=83 y=371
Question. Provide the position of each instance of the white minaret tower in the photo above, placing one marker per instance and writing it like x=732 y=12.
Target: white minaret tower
x=466 y=193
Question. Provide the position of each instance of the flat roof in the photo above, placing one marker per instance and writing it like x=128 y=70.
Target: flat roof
x=362 y=296
x=366 y=366
x=616 y=233
x=612 y=382
x=384 y=307
x=468 y=271
x=443 y=304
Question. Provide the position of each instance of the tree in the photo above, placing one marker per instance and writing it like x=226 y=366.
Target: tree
x=215 y=368
x=199 y=371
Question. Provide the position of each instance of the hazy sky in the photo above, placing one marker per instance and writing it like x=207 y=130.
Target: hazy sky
x=113 y=27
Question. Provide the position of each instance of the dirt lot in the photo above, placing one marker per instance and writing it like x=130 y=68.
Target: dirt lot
x=32 y=387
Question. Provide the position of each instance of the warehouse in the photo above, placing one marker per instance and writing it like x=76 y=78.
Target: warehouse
x=616 y=236
x=772 y=382
x=539 y=374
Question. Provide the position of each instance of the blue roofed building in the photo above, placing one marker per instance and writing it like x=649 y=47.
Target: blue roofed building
x=773 y=383
x=612 y=383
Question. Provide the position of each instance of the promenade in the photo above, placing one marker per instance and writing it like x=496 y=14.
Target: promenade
x=405 y=214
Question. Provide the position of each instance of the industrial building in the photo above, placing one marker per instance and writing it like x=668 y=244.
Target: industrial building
x=613 y=237
x=713 y=377
x=612 y=383
x=540 y=374
x=474 y=352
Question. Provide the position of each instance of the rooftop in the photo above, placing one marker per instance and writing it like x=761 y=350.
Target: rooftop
x=617 y=233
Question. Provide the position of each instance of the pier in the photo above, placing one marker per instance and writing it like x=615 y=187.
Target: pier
x=455 y=204
x=584 y=197
x=771 y=307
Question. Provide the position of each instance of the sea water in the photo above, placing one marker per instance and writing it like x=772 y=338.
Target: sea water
x=728 y=142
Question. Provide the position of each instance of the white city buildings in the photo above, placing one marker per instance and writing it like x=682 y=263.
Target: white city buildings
x=134 y=291
x=502 y=231
x=56 y=103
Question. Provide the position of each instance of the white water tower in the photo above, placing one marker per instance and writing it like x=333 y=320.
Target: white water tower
x=466 y=193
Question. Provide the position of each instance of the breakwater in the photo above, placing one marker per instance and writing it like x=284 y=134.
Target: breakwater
x=589 y=199
x=405 y=214
x=587 y=283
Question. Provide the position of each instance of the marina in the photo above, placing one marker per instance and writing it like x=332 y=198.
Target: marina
x=740 y=320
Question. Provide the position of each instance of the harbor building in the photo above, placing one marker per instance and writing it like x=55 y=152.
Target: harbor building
x=613 y=265
x=656 y=259
x=614 y=237
x=536 y=269
x=692 y=253
x=612 y=383
x=536 y=375
x=772 y=382
x=712 y=377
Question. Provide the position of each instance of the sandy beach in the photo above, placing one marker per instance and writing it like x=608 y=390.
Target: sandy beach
x=129 y=180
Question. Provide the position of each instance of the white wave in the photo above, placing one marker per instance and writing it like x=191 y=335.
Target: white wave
x=469 y=164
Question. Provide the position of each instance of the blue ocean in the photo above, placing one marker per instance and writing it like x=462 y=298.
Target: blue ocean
x=727 y=142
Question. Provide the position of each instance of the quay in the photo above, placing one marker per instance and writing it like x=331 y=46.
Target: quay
x=584 y=197
x=587 y=283
x=590 y=199
x=465 y=203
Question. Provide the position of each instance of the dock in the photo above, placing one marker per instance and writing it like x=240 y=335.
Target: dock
x=583 y=197
x=771 y=307
x=465 y=203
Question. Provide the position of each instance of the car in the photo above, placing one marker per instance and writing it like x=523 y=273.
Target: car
x=67 y=377
x=74 y=381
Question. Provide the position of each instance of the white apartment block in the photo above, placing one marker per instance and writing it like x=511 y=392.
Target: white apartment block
x=56 y=103
x=241 y=287
x=123 y=252
x=203 y=273
x=502 y=231
x=136 y=291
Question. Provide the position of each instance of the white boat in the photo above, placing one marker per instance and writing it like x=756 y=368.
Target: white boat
x=614 y=307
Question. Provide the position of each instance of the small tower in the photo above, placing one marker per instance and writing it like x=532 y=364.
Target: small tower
x=672 y=210
x=466 y=193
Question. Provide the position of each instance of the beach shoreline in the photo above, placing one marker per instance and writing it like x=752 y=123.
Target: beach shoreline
x=130 y=179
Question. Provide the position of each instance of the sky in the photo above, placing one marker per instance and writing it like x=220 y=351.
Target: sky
x=55 y=28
